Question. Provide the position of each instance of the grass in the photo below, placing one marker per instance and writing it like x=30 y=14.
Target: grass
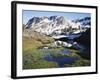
x=56 y=52
x=33 y=58
x=29 y=43
x=82 y=62
x=79 y=63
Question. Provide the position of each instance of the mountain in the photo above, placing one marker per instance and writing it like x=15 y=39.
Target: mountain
x=85 y=22
x=37 y=37
x=85 y=38
x=56 y=25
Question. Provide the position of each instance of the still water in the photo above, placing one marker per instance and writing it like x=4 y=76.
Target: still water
x=61 y=61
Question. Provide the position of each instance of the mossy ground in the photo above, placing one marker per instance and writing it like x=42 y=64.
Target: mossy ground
x=33 y=58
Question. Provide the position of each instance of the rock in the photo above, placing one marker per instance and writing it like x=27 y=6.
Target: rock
x=65 y=44
x=74 y=43
x=61 y=44
x=45 y=48
x=37 y=36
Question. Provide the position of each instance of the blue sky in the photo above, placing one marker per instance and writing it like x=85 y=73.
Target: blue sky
x=28 y=14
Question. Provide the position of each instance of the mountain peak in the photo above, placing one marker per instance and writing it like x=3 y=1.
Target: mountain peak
x=56 y=25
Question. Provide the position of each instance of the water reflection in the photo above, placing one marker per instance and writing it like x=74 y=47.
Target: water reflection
x=61 y=61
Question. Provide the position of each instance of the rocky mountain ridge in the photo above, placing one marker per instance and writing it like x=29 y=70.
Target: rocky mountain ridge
x=57 y=25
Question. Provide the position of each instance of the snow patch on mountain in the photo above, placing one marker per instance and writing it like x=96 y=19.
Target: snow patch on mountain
x=57 y=25
x=84 y=22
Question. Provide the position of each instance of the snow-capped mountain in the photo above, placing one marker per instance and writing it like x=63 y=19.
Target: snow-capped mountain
x=85 y=22
x=55 y=25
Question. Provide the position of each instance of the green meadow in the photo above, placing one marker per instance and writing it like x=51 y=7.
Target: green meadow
x=33 y=57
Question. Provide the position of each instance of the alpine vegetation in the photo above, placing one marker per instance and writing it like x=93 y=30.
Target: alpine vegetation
x=55 y=41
